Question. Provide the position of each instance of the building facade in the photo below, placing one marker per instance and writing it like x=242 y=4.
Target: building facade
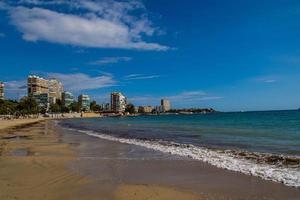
x=55 y=90
x=118 y=102
x=37 y=85
x=145 y=109
x=166 y=106
x=105 y=107
x=38 y=88
x=67 y=98
x=84 y=102
x=2 y=90
x=42 y=100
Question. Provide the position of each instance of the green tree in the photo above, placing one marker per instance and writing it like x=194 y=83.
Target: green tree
x=93 y=106
x=130 y=108
x=27 y=106
x=75 y=107
x=8 y=107
x=55 y=108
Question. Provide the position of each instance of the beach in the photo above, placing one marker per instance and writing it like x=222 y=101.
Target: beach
x=46 y=161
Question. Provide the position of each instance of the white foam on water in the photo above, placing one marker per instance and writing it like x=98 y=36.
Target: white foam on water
x=281 y=174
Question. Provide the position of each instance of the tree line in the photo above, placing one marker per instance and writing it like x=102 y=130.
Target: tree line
x=29 y=106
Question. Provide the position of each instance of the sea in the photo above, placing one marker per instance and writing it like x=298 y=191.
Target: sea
x=265 y=144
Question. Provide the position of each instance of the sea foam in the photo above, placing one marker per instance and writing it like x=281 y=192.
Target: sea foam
x=289 y=176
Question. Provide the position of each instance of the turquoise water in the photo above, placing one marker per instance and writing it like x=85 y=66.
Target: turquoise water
x=270 y=132
x=262 y=144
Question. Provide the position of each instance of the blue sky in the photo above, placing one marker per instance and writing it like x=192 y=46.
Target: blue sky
x=230 y=55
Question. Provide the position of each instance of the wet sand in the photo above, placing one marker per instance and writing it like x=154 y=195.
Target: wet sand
x=37 y=162
x=4 y=124
x=44 y=161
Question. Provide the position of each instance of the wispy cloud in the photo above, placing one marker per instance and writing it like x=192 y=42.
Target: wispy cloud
x=192 y=96
x=2 y=35
x=270 y=81
x=287 y=59
x=266 y=79
x=80 y=81
x=15 y=89
x=140 y=77
x=97 y=24
x=111 y=60
x=188 y=97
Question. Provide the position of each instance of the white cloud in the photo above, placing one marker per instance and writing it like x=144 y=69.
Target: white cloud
x=15 y=89
x=184 y=98
x=104 y=24
x=192 y=96
x=80 y=81
x=266 y=79
x=140 y=77
x=111 y=60
x=270 y=81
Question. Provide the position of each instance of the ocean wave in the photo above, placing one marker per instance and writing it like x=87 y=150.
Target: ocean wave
x=278 y=168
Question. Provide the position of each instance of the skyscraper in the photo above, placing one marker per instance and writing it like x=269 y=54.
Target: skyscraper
x=37 y=85
x=118 y=102
x=166 y=106
x=1 y=90
x=67 y=98
x=38 y=88
x=84 y=102
x=55 y=90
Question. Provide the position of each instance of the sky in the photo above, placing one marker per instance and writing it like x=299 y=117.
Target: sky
x=229 y=55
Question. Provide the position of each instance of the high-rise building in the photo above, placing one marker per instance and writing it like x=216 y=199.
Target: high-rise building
x=84 y=102
x=37 y=85
x=42 y=100
x=67 y=98
x=38 y=88
x=105 y=107
x=55 y=90
x=159 y=109
x=1 y=90
x=166 y=106
x=118 y=102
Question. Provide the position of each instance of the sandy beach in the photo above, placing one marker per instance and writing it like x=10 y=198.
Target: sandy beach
x=44 y=161
x=4 y=124
x=34 y=162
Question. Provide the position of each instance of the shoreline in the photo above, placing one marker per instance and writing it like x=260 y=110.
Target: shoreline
x=36 y=165
x=13 y=123
x=47 y=161
x=132 y=164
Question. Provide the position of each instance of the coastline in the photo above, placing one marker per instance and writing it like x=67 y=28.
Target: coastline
x=35 y=162
x=6 y=124
x=47 y=161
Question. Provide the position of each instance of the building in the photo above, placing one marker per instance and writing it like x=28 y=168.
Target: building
x=42 y=100
x=37 y=85
x=136 y=109
x=166 y=106
x=55 y=90
x=105 y=107
x=38 y=88
x=67 y=98
x=84 y=102
x=145 y=109
x=159 y=109
x=118 y=102
x=2 y=90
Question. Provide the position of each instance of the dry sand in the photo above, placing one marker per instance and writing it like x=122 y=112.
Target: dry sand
x=4 y=124
x=34 y=165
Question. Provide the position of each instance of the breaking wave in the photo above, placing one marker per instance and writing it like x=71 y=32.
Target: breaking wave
x=278 y=168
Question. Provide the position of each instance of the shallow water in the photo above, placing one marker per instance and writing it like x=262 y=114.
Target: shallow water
x=264 y=144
